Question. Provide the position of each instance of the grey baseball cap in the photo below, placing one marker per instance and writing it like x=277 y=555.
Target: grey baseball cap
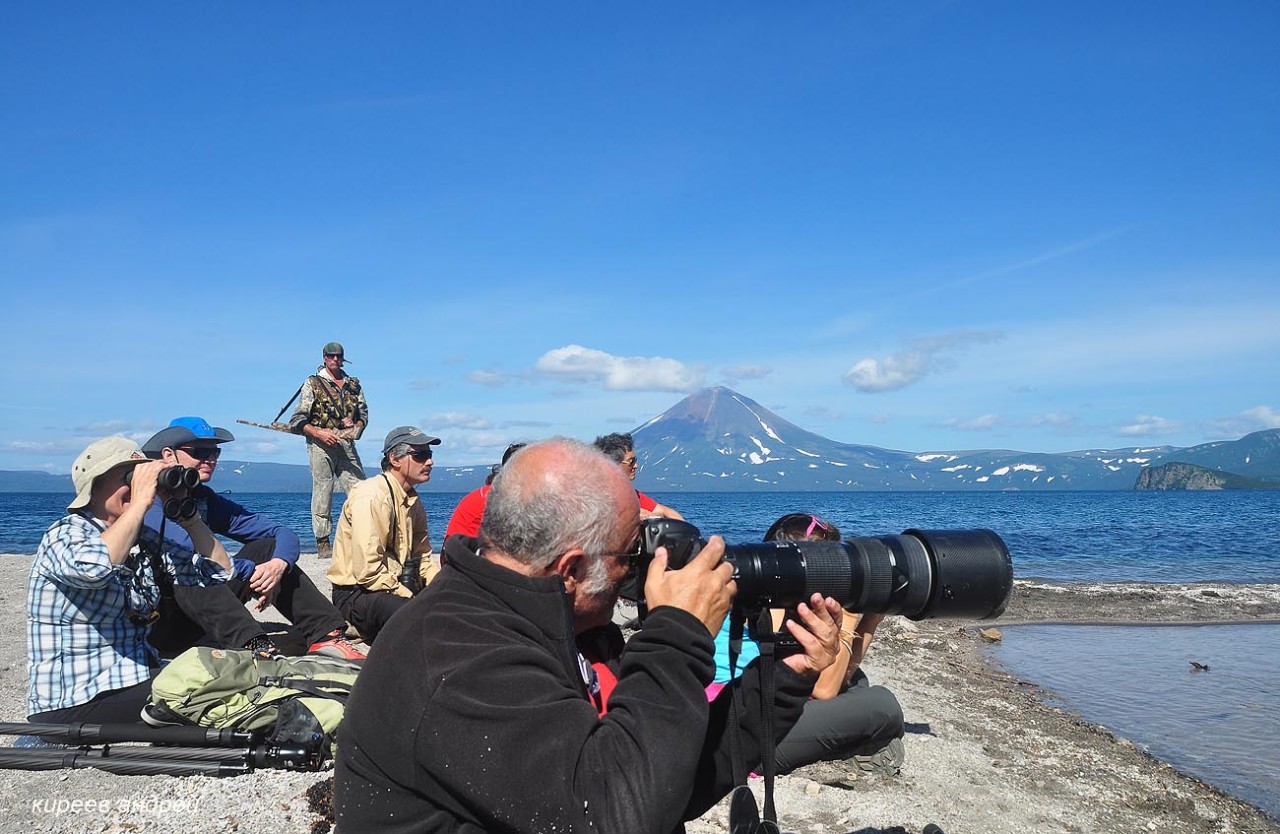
x=412 y=435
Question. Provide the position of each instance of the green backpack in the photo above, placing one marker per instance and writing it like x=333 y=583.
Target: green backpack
x=226 y=688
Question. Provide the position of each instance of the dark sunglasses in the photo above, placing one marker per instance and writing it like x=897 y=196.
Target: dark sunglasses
x=333 y=356
x=420 y=455
x=202 y=452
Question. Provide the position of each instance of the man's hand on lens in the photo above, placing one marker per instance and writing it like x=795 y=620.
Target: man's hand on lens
x=818 y=634
x=704 y=587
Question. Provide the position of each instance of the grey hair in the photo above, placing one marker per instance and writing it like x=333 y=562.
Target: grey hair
x=397 y=451
x=596 y=582
x=535 y=515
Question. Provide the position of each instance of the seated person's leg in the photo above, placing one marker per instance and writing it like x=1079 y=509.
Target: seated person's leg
x=859 y=721
x=302 y=604
x=206 y=617
x=174 y=632
x=225 y=620
x=368 y=611
x=116 y=706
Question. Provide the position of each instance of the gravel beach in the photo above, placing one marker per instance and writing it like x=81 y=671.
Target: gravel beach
x=985 y=754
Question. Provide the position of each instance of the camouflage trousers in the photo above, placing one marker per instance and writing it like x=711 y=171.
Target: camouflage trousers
x=339 y=462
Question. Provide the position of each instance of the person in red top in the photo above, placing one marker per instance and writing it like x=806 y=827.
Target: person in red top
x=466 y=516
x=621 y=449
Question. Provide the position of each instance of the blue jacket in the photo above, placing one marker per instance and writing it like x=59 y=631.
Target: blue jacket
x=227 y=518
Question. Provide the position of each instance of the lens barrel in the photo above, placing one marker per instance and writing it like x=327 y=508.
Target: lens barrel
x=920 y=574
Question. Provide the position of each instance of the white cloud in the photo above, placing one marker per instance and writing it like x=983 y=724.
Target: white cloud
x=1251 y=420
x=921 y=358
x=458 y=420
x=1148 y=425
x=1263 y=417
x=1063 y=421
x=741 y=372
x=490 y=379
x=619 y=373
x=984 y=422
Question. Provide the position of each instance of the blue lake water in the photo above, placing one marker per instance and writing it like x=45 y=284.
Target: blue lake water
x=1218 y=725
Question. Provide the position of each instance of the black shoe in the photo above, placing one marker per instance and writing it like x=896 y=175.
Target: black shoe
x=264 y=648
x=160 y=715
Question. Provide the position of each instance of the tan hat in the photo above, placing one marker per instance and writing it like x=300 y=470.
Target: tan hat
x=98 y=458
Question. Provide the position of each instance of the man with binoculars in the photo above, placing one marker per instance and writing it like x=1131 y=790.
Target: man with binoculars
x=264 y=570
x=93 y=592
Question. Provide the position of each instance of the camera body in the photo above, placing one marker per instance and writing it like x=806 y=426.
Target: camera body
x=921 y=574
x=175 y=479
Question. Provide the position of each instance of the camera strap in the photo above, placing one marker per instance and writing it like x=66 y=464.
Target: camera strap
x=768 y=755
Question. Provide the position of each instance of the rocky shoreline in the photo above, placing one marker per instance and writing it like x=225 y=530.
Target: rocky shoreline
x=985 y=753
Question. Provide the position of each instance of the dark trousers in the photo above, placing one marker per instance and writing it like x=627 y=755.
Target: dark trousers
x=367 y=610
x=115 y=706
x=215 y=615
x=857 y=722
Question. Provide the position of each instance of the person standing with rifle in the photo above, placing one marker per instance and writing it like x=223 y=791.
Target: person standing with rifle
x=331 y=414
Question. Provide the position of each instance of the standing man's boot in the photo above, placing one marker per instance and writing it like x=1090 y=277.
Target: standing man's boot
x=323 y=549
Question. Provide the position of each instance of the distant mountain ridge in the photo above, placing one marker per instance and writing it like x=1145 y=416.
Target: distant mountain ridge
x=718 y=440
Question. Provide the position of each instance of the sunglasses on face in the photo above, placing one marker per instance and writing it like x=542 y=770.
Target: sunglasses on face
x=333 y=356
x=201 y=452
x=420 y=455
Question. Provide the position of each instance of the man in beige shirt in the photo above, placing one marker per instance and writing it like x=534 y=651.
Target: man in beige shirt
x=382 y=552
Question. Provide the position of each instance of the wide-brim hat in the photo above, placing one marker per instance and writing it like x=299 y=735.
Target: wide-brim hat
x=185 y=430
x=99 y=458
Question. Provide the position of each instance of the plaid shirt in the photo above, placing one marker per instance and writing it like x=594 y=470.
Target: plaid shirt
x=87 y=620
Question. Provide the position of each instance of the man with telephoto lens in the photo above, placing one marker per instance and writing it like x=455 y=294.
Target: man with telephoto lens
x=265 y=570
x=503 y=698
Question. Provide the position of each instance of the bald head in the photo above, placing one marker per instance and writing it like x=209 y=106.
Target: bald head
x=555 y=496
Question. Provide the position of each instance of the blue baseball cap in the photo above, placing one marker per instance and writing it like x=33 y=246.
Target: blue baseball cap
x=184 y=430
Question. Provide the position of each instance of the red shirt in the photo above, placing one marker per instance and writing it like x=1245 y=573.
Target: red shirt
x=466 y=516
x=646 y=503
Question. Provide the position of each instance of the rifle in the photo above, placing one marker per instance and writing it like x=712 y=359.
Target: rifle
x=286 y=405
x=345 y=434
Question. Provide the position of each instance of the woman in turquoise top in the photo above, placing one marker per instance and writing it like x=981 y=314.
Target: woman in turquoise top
x=847 y=718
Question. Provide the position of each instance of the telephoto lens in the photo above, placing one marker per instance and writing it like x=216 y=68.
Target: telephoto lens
x=921 y=574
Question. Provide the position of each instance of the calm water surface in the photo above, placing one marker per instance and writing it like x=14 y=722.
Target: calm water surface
x=1219 y=725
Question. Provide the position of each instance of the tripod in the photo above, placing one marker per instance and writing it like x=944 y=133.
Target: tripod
x=295 y=744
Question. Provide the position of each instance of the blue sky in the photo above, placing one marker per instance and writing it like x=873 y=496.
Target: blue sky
x=920 y=226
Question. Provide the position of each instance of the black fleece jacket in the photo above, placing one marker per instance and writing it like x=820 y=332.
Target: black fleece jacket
x=472 y=714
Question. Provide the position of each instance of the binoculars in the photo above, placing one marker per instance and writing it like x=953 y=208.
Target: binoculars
x=171 y=480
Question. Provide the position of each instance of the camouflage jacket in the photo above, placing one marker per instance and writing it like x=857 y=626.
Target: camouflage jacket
x=326 y=405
